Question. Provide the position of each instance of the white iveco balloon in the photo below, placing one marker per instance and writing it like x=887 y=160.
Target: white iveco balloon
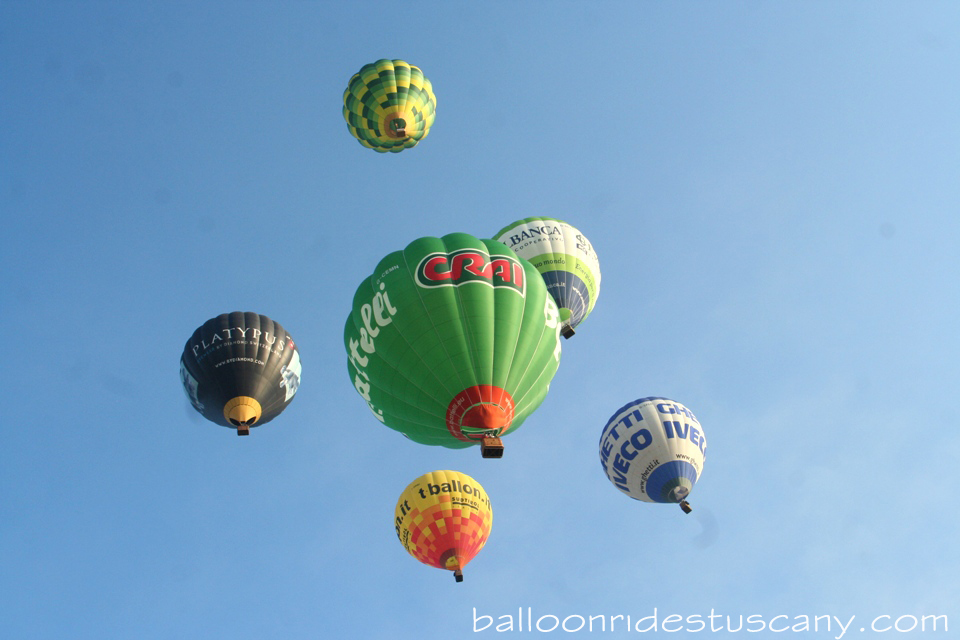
x=653 y=450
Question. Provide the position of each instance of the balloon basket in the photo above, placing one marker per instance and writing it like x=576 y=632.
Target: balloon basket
x=491 y=448
x=243 y=430
x=566 y=331
x=458 y=575
x=686 y=506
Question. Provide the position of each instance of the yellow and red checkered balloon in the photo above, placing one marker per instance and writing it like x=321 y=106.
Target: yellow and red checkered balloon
x=443 y=519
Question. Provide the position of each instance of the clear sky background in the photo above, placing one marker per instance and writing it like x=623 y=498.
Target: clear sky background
x=772 y=189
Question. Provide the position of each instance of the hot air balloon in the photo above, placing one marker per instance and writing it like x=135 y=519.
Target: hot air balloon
x=453 y=341
x=565 y=260
x=652 y=449
x=240 y=370
x=443 y=519
x=389 y=105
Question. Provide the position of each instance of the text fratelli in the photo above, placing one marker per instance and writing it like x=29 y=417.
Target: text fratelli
x=374 y=315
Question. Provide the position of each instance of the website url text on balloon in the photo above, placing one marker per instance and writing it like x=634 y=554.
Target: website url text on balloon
x=229 y=360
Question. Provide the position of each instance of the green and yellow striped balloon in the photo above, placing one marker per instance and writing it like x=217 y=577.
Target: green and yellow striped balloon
x=389 y=105
x=453 y=341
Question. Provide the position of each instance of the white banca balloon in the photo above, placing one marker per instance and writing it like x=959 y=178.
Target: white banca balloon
x=565 y=260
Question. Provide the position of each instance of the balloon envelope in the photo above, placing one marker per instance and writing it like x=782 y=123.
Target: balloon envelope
x=240 y=370
x=389 y=105
x=653 y=449
x=566 y=261
x=443 y=519
x=452 y=340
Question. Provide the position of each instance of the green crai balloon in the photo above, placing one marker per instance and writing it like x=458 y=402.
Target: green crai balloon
x=453 y=341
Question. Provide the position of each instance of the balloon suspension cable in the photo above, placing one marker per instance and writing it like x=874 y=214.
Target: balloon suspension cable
x=458 y=575
x=491 y=447
x=566 y=331
x=685 y=506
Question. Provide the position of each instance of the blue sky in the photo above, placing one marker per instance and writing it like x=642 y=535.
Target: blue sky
x=772 y=189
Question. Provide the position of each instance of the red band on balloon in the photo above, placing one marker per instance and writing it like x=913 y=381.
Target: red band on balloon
x=487 y=408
